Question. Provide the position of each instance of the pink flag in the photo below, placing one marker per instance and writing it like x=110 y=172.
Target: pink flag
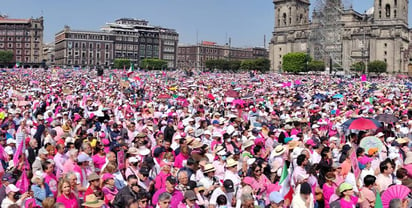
x=23 y=182
x=297 y=82
x=363 y=78
x=19 y=151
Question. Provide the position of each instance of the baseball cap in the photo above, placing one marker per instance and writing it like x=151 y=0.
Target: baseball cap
x=275 y=197
x=171 y=179
x=144 y=171
x=83 y=158
x=11 y=188
x=8 y=177
x=107 y=176
x=344 y=187
x=228 y=184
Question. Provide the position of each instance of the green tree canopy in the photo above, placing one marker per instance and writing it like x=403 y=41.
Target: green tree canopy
x=377 y=66
x=121 y=63
x=358 y=66
x=6 y=57
x=153 y=64
x=295 y=62
x=316 y=66
x=260 y=64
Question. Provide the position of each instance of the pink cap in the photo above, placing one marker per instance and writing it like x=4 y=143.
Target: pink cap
x=311 y=142
x=91 y=116
x=364 y=160
x=259 y=140
x=107 y=176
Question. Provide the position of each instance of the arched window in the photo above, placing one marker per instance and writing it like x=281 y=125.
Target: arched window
x=284 y=18
x=395 y=2
x=394 y=13
x=380 y=14
x=380 y=3
x=388 y=10
x=301 y=18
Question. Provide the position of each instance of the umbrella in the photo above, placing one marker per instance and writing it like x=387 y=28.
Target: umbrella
x=338 y=96
x=163 y=96
x=363 y=124
x=387 y=118
x=370 y=142
x=231 y=93
x=394 y=192
x=319 y=96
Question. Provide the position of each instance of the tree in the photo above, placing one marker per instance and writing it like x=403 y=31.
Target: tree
x=235 y=65
x=121 y=63
x=260 y=64
x=358 y=66
x=295 y=62
x=377 y=66
x=316 y=66
x=153 y=64
x=6 y=57
x=211 y=64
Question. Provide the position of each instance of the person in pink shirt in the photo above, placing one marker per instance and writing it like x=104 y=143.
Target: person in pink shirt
x=99 y=159
x=367 y=191
x=66 y=196
x=109 y=189
x=347 y=198
x=160 y=180
x=329 y=188
x=183 y=155
x=59 y=160
x=49 y=177
x=70 y=163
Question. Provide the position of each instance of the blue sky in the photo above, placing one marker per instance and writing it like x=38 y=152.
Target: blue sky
x=245 y=21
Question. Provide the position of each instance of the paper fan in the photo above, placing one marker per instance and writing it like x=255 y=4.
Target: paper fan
x=394 y=192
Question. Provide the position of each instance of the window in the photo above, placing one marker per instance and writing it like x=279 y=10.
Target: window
x=388 y=10
x=380 y=3
x=385 y=45
x=394 y=13
x=284 y=18
x=385 y=52
x=396 y=2
x=380 y=14
x=385 y=60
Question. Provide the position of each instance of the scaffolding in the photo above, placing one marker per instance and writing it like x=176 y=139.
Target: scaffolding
x=327 y=30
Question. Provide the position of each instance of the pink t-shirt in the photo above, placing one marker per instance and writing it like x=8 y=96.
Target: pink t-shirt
x=70 y=202
x=328 y=191
x=349 y=204
x=99 y=161
x=368 y=196
x=50 y=179
x=179 y=160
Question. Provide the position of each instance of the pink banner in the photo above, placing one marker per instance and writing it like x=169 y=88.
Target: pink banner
x=363 y=78
x=355 y=164
x=120 y=160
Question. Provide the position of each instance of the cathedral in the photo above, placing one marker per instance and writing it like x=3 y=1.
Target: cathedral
x=342 y=36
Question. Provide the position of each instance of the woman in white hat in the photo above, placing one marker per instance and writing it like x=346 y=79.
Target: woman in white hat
x=209 y=181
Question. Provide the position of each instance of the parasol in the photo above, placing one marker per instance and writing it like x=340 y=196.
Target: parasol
x=387 y=118
x=363 y=124
x=371 y=142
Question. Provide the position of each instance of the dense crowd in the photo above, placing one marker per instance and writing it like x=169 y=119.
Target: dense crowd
x=72 y=139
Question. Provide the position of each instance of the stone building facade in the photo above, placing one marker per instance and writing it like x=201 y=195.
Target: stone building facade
x=24 y=37
x=382 y=34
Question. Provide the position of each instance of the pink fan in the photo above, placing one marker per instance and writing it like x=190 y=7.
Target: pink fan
x=394 y=192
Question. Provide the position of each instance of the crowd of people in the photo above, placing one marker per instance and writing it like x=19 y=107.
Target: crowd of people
x=142 y=139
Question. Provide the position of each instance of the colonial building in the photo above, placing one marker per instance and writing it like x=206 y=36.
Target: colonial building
x=195 y=56
x=48 y=53
x=380 y=34
x=83 y=48
x=137 y=40
x=24 y=37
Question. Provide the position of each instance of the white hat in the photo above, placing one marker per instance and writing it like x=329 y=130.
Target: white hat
x=133 y=160
x=333 y=139
x=217 y=134
x=11 y=141
x=9 y=150
x=143 y=150
x=314 y=126
x=280 y=149
x=390 y=139
x=207 y=132
x=43 y=151
x=380 y=134
x=11 y=188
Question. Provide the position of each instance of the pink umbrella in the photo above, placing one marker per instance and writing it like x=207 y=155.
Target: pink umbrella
x=362 y=124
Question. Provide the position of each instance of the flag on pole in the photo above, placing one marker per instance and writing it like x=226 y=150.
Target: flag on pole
x=284 y=174
x=17 y=65
x=19 y=151
x=131 y=70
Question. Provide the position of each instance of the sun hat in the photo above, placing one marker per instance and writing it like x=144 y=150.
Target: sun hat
x=247 y=143
x=344 y=187
x=275 y=197
x=209 y=168
x=231 y=162
x=330 y=176
x=402 y=140
x=133 y=160
x=133 y=151
x=93 y=176
x=143 y=150
x=292 y=144
x=279 y=150
x=380 y=134
x=92 y=201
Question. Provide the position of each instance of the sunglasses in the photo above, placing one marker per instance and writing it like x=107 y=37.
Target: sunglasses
x=143 y=201
x=258 y=170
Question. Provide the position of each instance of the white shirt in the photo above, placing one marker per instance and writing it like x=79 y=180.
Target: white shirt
x=316 y=157
x=234 y=177
x=216 y=193
x=364 y=173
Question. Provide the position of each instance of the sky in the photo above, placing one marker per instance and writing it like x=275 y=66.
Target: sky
x=246 y=22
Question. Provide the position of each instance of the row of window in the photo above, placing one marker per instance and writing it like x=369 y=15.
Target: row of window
x=27 y=39
x=18 y=45
x=84 y=45
x=89 y=36
x=26 y=59
x=92 y=62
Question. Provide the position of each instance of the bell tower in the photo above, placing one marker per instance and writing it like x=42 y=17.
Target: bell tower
x=390 y=10
x=291 y=13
